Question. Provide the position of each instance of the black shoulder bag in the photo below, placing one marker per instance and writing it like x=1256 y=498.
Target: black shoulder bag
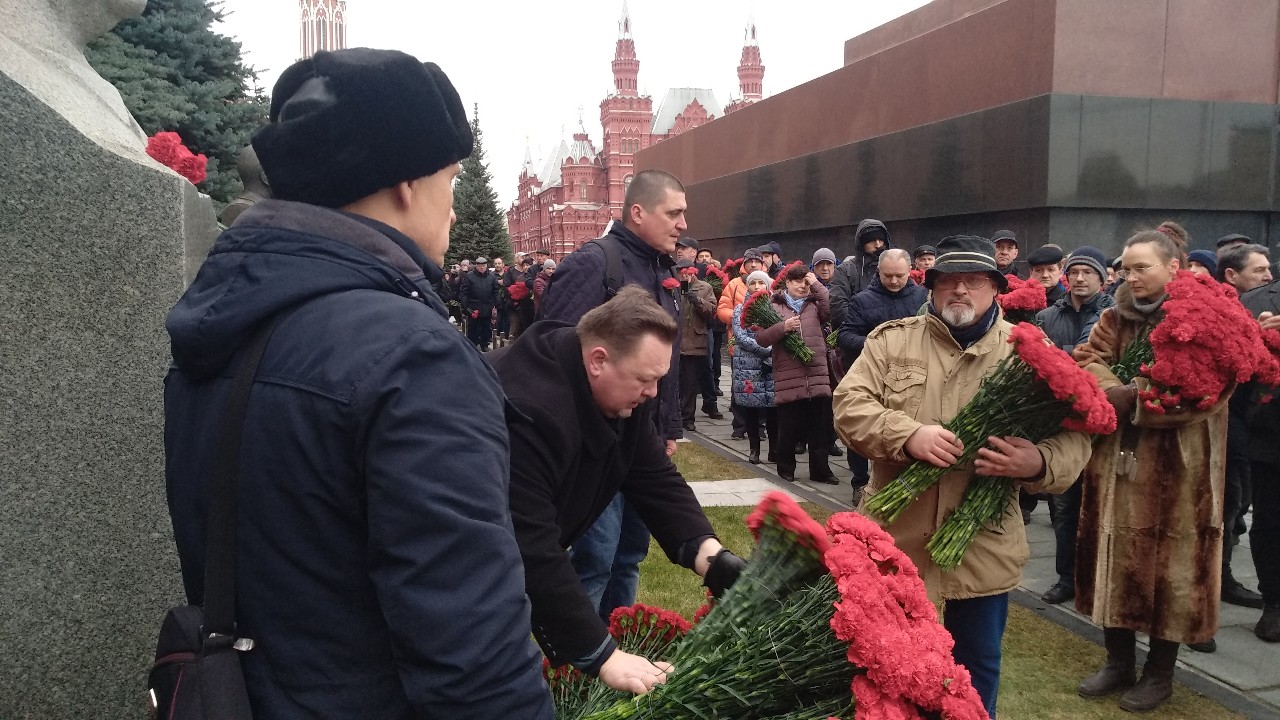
x=197 y=674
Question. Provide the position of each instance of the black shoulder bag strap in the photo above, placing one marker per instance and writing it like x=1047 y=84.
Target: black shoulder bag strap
x=612 y=265
x=220 y=538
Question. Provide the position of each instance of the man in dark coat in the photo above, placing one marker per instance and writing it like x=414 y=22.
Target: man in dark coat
x=587 y=433
x=892 y=295
x=870 y=239
x=1046 y=268
x=608 y=557
x=1264 y=460
x=479 y=296
x=377 y=566
x=1007 y=262
x=1068 y=323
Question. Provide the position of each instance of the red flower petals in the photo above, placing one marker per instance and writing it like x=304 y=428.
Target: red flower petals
x=1023 y=296
x=167 y=149
x=671 y=283
x=779 y=509
x=519 y=291
x=1066 y=380
x=917 y=276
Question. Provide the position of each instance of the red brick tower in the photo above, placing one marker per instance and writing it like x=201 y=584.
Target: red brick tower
x=626 y=117
x=750 y=71
x=324 y=26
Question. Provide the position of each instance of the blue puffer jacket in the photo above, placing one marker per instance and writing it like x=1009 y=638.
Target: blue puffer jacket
x=875 y=306
x=376 y=561
x=752 y=367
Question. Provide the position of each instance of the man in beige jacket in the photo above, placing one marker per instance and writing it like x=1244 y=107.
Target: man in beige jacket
x=915 y=374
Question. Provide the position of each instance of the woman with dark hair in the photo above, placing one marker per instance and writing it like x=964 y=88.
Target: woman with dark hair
x=1149 y=547
x=801 y=391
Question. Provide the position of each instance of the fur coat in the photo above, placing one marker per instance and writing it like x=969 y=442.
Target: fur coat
x=1149 y=548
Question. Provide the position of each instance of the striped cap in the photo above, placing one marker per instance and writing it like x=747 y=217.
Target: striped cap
x=965 y=254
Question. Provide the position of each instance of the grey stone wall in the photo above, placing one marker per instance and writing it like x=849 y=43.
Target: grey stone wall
x=92 y=256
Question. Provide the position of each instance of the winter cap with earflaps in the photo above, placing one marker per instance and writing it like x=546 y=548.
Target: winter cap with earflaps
x=348 y=123
x=965 y=254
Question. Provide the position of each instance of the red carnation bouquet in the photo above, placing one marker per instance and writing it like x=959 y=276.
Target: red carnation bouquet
x=1033 y=393
x=732 y=264
x=917 y=276
x=1205 y=343
x=167 y=149
x=758 y=312
x=1022 y=300
x=781 y=281
x=819 y=623
x=717 y=279
x=518 y=291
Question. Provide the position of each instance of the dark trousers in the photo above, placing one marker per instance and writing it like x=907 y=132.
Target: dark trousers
x=707 y=385
x=752 y=416
x=977 y=624
x=693 y=368
x=861 y=468
x=1264 y=536
x=738 y=422
x=480 y=329
x=715 y=353
x=1233 y=491
x=1066 y=519
x=804 y=421
x=504 y=320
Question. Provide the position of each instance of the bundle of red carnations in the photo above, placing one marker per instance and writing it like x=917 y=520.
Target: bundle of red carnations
x=167 y=149
x=1205 y=343
x=1022 y=300
x=716 y=279
x=1033 y=393
x=780 y=281
x=815 y=627
x=917 y=276
x=758 y=313
x=518 y=291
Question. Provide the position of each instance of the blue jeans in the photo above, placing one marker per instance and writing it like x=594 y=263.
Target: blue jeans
x=608 y=555
x=977 y=624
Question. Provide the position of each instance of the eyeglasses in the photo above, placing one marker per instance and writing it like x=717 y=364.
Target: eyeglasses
x=1141 y=269
x=973 y=282
x=1080 y=272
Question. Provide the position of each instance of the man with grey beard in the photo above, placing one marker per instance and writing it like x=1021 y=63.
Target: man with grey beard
x=912 y=376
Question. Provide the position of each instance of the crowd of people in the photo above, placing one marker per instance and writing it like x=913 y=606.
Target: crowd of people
x=412 y=510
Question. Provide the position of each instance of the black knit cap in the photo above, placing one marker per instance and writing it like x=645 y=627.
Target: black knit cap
x=348 y=123
x=965 y=254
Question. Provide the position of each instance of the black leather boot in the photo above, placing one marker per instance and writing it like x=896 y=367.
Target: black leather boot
x=1118 y=672
x=754 y=457
x=1156 y=685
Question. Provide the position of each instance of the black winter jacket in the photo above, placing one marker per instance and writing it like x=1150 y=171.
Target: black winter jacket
x=567 y=463
x=479 y=291
x=376 y=561
x=873 y=307
x=1264 y=423
x=579 y=286
x=1068 y=327
x=856 y=275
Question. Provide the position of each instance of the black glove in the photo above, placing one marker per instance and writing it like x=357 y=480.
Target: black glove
x=723 y=572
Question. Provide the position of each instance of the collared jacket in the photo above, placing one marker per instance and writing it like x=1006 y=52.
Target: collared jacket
x=1068 y=327
x=1264 y=419
x=579 y=286
x=912 y=373
x=855 y=276
x=1149 y=546
x=696 y=310
x=734 y=293
x=376 y=561
x=874 y=306
x=792 y=379
x=479 y=291
x=567 y=462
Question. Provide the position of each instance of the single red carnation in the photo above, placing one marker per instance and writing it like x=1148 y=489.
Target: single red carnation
x=671 y=283
x=779 y=509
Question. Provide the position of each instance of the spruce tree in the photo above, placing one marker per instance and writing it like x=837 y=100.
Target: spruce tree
x=175 y=73
x=481 y=228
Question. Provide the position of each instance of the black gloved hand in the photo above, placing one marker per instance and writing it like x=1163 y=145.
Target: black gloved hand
x=723 y=572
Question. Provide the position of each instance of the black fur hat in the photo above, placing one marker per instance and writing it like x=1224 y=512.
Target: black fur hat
x=348 y=123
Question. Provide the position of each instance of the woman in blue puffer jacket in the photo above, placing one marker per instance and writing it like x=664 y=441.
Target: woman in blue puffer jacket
x=753 y=376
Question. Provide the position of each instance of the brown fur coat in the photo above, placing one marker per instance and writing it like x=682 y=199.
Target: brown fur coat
x=1149 y=548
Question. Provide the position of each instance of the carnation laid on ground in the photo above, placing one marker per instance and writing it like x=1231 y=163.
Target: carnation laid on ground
x=819 y=618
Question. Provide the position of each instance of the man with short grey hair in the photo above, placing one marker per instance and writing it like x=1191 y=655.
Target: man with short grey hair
x=1244 y=267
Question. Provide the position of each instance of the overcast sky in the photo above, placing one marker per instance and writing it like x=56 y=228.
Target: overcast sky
x=531 y=66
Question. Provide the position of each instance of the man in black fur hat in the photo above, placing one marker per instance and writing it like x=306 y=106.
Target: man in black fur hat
x=377 y=568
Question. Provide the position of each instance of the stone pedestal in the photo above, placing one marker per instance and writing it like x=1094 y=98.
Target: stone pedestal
x=92 y=254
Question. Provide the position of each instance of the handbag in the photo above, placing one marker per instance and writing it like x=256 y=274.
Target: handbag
x=197 y=673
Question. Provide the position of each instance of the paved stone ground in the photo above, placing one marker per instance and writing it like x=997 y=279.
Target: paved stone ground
x=1243 y=675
